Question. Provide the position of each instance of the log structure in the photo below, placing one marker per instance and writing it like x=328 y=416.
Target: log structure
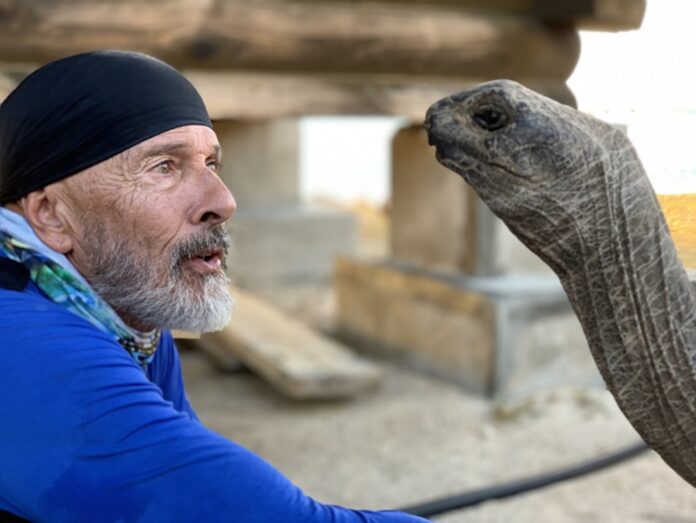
x=279 y=58
x=261 y=64
x=283 y=36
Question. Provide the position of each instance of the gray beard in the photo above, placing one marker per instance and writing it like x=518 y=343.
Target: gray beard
x=158 y=293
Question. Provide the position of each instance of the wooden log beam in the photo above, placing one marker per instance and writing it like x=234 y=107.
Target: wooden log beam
x=603 y=15
x=255 y=96
x=292 y=36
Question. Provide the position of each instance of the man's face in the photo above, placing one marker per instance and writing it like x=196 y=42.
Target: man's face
x=149 y=231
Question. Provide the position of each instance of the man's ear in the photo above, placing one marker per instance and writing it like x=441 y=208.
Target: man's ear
x=46 y=213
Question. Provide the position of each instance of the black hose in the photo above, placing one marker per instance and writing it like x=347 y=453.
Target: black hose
x=513 y=488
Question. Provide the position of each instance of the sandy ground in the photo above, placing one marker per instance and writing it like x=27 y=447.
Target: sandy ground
x=417 y=438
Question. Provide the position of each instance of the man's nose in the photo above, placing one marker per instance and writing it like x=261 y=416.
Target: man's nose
x=218 y=205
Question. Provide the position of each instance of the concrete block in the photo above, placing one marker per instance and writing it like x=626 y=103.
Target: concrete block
x=546 y=351
x=261 y=161
x=493 y=335
x=418 y=320
x=288 y=245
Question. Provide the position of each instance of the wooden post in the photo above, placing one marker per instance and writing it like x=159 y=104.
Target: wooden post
x=438 y=222
x=432 y=209
x=261 y=161
x=276 y=238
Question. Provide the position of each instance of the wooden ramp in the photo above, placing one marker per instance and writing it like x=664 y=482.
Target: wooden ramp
x=292 y=357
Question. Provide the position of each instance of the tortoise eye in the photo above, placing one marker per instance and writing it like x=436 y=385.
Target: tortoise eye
x=490 y=118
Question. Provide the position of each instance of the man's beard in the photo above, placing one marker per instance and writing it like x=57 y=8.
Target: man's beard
x=160 y=293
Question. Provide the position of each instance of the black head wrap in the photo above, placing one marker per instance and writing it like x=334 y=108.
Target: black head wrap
x=81 y=110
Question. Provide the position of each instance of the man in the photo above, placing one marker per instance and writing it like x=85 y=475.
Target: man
x=111 y=233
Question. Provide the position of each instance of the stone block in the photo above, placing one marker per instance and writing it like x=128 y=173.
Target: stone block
x=493 y=335
x=287 y=245
x=261 y=161
x=418 y=320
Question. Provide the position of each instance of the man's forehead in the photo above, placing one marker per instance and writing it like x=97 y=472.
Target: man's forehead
x=189 y=139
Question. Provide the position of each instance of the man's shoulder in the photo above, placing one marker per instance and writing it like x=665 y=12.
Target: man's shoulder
x=17 y=304
x=29 y=314
x=41 y=338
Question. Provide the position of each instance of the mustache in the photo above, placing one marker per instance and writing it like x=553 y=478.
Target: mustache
x=200 y=243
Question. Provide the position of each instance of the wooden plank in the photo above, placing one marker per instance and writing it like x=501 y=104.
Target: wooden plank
x=260 y=96
x=217 y=353
x=293 y=37
x=292 y=357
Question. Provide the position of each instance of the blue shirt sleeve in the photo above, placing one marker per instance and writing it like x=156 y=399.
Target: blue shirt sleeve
x=87 y=437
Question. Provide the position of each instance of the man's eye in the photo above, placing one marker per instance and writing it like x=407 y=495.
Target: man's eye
x=214 y=166
x=164 y=167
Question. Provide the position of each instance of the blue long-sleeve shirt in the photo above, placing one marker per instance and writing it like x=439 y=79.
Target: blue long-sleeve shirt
x=87 y=436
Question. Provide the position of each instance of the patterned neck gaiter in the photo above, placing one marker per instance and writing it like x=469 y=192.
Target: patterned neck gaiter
x=63 y=288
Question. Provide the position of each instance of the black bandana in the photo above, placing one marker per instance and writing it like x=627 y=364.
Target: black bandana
x=81 y=110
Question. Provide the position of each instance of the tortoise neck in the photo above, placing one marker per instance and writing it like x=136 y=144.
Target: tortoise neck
x=635 y=303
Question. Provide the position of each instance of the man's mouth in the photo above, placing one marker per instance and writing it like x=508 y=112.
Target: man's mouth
x=208 y=261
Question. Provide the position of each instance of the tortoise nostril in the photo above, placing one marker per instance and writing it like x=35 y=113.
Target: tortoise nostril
x=490 y=118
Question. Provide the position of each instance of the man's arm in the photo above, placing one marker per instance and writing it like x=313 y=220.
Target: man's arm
x=86 y=436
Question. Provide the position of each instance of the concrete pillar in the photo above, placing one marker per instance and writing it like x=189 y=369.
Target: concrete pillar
x=276 y=238
x=261 y=161
x=432 y=209
x=437 y=221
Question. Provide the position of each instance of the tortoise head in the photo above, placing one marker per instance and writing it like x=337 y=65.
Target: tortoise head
x=516 y=147
x=540 y=166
